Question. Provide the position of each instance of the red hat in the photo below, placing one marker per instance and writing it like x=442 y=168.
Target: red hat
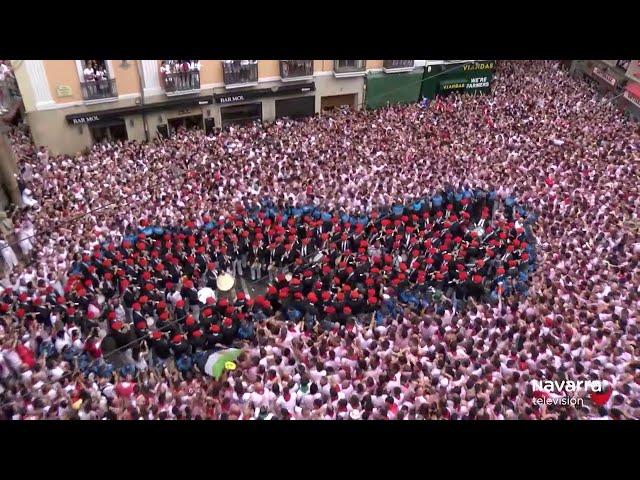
x=372 y=300
x=500 y=271
x=227 y=322
x=312 y=297
x=354 y=294
x=117 y=326
x=164 y=315
x=20 y=312
x=136 y=306
x=340 y=296
x=161 y=305
x=156 y=335
x=141 y=325
x=180 y=303
x=197 y=333
x=240 y=295
x=346 y=310
x=190 y=320
x=215 y=328
x=325 y=296
x=176 y=338
x=477 y=279
x=22 y=297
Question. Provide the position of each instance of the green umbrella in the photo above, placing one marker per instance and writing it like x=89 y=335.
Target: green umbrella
x=220 y=361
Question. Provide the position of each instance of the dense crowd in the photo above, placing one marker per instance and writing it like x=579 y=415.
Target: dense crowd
x=466 y=248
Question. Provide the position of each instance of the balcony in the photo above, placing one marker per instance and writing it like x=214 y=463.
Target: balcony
x=295 y=70
x=99 y=90
x=395 y=66
x=348 y=68
x=240 y=73
x=181 y=83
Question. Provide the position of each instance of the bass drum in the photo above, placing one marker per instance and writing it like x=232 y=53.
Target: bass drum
x=225 y=287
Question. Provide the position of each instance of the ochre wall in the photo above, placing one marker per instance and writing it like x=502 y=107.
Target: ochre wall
x=63 y=72
x=127 y=79
x=268 y=68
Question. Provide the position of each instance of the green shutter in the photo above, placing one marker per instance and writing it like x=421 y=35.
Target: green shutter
x=391 y=88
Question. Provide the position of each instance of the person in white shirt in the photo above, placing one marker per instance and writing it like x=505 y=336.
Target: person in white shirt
x=89 y=71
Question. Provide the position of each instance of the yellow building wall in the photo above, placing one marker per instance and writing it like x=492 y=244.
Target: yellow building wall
x=268 y=68
x=211 y=72
x=63 y=72
x=318 y=66
x=127 y=79
x=327 y=65
x=374 y=63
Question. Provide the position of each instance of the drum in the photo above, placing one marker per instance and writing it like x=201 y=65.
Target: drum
x=205 y=293
x=288 y=277
x=225 y=285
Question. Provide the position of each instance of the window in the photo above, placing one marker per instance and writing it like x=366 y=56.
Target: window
x=95 y=80
x=94 y=70
x=180 y=75
x=623 y=64
x=240 y=72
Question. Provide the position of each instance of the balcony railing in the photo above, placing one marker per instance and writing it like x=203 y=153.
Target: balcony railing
x=348 y=67
x=397 y=65
x=240 y=72
x=97 y=90
x=181 y=81
x=295 y=69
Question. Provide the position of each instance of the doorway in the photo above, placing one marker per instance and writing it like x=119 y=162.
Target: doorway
x=334 y=102
x=241 y=114
x=109 y=130
x=187 y=123
x=297 y=107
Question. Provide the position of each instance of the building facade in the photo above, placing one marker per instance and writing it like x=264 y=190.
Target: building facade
x=618 y=78
x=71 y=104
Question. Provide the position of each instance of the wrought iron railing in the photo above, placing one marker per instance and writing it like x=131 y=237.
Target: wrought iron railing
x=296 y=68
x=392 y=64
x=240 y=71
x=348 y=66
x=96 y=90
x=181 y=81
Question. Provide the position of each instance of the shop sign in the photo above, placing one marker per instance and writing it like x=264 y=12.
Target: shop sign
x=632 y=98
x=478 y=66
x=85 y=119
x=610 y=79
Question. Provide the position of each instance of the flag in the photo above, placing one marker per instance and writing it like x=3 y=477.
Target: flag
x=220 y=361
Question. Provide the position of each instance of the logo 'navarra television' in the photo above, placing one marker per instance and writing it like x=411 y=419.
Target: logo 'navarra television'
x=553 y=386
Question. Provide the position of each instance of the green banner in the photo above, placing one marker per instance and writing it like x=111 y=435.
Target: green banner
x=469 y=78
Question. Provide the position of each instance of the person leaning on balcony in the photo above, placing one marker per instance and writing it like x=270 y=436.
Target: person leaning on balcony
x=89 y=73
x=165 y=70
